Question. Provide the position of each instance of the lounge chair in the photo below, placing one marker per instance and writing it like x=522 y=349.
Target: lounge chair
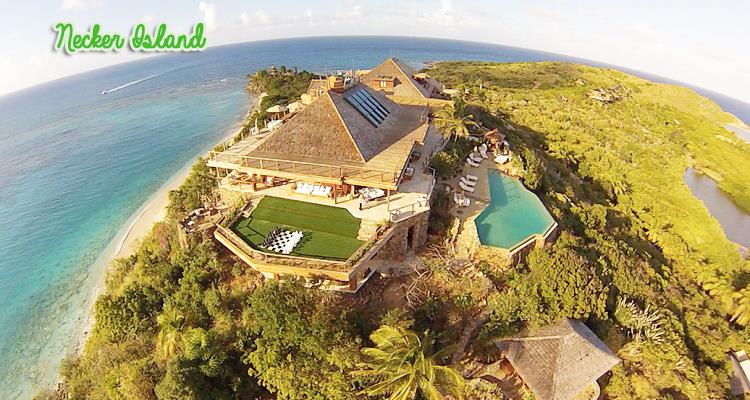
x=457 y=200
x=468 y=182
x=502 y=158
x=472 y=162
x=472 y=177
x=483 y=150
x=465 y=187
x=461 y=200
x=475 y=157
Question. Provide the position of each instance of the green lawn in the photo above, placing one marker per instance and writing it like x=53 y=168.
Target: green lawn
x=330 y=232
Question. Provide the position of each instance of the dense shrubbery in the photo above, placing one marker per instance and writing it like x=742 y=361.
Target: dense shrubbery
x=191 y=194
x=611 y=174
x=449 y=161
x=281 y=89
x=639 y=258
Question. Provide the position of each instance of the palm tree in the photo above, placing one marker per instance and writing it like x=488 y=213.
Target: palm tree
x=454 y=120
x=402 y=364
x=170 y=323
x=741 y=312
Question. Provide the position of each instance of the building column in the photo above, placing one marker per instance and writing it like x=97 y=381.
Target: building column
x=388 y=199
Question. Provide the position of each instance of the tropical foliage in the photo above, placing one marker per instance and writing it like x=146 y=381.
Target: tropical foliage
x=602 y=169
x=403 y=366
x=454 y=120
x=638 y=258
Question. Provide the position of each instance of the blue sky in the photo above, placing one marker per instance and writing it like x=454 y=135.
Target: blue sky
x=702 y=43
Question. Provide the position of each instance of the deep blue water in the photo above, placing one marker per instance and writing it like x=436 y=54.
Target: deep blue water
x=76 y=165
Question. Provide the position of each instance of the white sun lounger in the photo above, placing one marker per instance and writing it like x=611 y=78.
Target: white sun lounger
x=472 y=162
x=461 y=201
x=502 y=159
x=466 y=187
x=475 y=157
x=468 y=182
x=472 y=177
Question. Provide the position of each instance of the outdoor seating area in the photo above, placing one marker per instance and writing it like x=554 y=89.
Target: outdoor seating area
x=202 y=218
x=313 y=190
x=282 y=240
x=371 y=193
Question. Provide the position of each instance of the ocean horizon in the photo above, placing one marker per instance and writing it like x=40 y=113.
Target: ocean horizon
x=78 y=165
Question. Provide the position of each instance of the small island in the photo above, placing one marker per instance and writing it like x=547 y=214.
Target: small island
x=472 y=230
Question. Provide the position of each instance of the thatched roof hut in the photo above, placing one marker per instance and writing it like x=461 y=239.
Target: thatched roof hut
x=277 y=109
x=494 y=136
x=558 y=361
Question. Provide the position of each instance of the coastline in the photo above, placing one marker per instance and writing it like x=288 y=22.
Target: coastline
x=153 y=210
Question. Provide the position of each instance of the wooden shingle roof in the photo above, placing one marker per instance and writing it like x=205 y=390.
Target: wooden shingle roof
x=558 y=361
x=316 y=132
x=407 y=86
x=331 y=131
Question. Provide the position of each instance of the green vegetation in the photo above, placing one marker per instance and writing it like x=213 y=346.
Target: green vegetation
x=281 y=89
x=329 y=232
x=639 y=259
x=612 y=175
x=454 y=120
x=197 y=188
x=402 y=364
x=451 y=159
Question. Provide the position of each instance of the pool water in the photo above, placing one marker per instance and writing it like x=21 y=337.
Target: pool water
x=514 y=213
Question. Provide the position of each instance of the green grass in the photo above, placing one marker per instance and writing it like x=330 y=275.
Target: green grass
x=329 y=232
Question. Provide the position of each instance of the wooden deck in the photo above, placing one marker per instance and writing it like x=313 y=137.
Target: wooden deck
x=306 y=171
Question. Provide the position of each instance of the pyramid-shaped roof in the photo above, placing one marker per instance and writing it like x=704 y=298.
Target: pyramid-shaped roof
x=558 y=361
x=406 y=85
x=332 y=131
x=315 y=132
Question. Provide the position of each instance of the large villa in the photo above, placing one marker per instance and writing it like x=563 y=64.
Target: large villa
x=341 y=185
x=341 y=188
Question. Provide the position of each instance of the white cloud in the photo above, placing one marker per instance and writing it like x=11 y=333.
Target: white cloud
x=262 y=17
x=259 y=18
x=445 y=14
x=209 y=15
x=79 y=4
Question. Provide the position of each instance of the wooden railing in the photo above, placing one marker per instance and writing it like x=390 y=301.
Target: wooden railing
x=306 y=168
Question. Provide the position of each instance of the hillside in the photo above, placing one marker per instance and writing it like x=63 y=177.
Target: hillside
x=612 y=173
x=639 y=260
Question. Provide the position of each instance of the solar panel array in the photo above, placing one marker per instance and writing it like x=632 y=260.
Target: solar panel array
x=368 y=106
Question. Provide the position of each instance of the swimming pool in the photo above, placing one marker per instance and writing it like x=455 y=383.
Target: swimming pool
x=513 y=215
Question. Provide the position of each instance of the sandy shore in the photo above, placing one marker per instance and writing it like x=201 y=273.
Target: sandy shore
x=139 y=225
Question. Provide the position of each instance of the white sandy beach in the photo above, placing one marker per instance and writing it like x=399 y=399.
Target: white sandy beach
x=138 y=226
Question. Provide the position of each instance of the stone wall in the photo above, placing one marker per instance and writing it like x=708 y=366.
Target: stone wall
x=397 y=246
x=234 y=198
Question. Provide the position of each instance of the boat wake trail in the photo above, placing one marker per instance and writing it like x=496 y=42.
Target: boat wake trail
x=130 y=83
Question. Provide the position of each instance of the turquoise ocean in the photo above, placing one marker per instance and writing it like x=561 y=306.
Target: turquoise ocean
x=76 y=166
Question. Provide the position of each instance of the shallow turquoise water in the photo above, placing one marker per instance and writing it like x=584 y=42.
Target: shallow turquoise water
x=514 y=213
x=76 y=165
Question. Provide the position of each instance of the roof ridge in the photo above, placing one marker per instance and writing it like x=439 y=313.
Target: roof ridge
x=408 y=77
x=346 y=128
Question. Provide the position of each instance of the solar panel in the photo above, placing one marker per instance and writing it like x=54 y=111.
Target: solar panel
x=368 y=106
x=374 y=101
x=378 y=114
x=366 y=113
